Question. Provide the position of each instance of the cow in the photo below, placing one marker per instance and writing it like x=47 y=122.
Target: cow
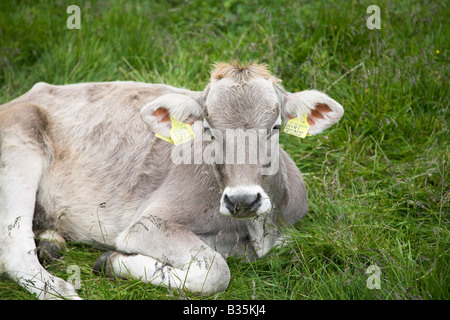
x=97 y=163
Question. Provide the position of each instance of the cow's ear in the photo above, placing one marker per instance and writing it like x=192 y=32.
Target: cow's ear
x=321 y=111
x=181 y=107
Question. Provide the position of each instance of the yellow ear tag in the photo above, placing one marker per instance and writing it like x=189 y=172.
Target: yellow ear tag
x=297 y=127
x=180 y=132
x=164 y=137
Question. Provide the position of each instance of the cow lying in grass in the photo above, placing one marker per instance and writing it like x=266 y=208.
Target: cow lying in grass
x=89 y=162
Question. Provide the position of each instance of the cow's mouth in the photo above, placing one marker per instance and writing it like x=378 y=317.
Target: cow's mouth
x=244 y=214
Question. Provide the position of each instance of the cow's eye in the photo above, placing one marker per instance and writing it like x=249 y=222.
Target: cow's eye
x=209 y=133
x=275 y=129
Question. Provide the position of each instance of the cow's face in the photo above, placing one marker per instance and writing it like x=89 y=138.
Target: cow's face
x=242 y=111
x=244 y=121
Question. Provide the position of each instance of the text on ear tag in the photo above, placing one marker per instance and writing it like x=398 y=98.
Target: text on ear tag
x=180 y=132
x=297 y=127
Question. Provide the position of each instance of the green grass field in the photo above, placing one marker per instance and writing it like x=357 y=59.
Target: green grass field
x=378 y=181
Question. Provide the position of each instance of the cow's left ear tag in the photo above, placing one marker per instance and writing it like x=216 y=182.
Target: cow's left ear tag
x=297 y=127
x=180 y=132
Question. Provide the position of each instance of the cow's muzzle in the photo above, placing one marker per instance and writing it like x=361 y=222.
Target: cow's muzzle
x=244 y=202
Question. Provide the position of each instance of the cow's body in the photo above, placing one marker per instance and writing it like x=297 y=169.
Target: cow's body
x=79 y=161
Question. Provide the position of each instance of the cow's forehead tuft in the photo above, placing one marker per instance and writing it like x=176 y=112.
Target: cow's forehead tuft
x=241 y=73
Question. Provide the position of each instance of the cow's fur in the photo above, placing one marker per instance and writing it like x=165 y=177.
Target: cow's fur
x=82 y=162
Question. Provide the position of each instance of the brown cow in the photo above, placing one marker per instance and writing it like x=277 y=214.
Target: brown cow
x=83 y=162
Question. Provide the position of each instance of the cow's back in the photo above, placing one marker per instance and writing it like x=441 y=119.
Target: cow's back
x=100 y=153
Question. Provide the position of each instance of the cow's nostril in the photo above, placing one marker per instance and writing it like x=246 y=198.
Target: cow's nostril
x=229 y=204
x=258 y=198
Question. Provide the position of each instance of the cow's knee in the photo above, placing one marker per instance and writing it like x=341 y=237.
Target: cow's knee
x=207 y=275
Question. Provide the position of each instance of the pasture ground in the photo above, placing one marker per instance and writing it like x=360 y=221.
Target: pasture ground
x=378 y=181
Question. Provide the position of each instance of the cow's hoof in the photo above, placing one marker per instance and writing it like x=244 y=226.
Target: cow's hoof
x=103 y=263
x=49 y=251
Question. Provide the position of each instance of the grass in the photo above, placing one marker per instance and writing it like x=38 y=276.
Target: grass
x=378 y=181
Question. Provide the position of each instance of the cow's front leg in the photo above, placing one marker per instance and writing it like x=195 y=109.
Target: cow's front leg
x=195 y=279
x=167 y=254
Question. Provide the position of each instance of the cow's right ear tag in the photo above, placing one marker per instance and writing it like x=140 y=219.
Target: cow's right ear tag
x=180 y=132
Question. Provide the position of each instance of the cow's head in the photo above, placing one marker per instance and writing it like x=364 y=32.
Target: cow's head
x=242 y=110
